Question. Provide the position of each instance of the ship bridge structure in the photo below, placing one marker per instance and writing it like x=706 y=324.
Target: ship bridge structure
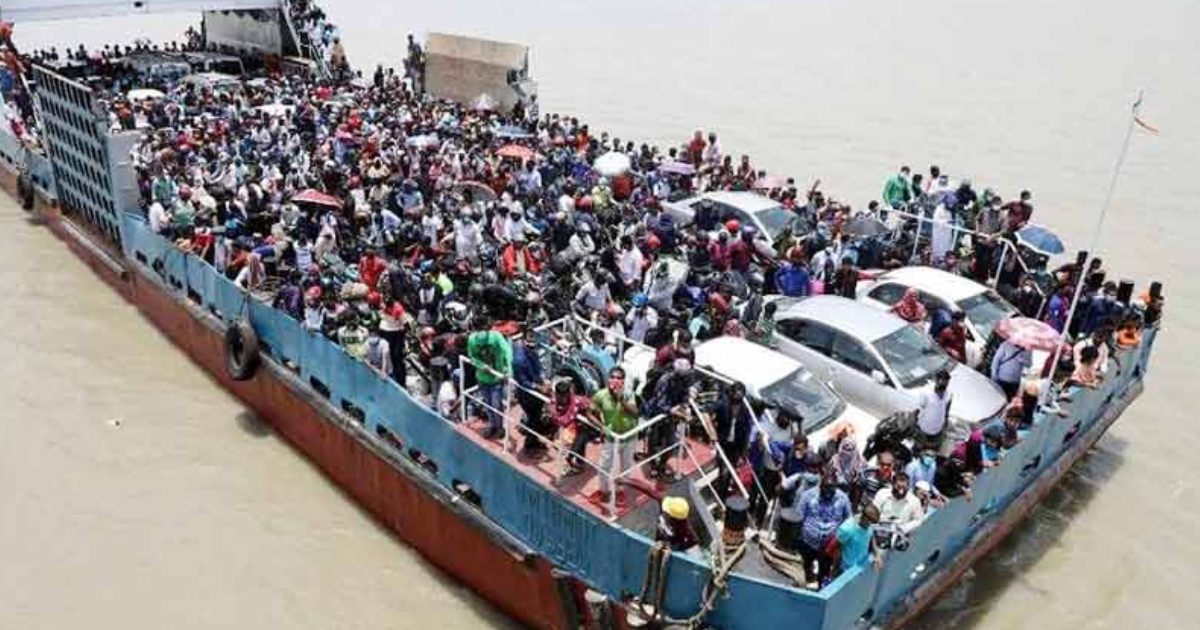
x=19 y=11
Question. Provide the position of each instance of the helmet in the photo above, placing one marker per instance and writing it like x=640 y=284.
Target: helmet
x=749 y=232
x=732 y=225
x=613 y=310
x=755 y=280
x=427 y=332
x=313 y=293
x=374 y=299
x=458 y=314
x=640 y=300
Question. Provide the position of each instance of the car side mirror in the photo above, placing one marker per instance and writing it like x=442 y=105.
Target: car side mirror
x=879 y=377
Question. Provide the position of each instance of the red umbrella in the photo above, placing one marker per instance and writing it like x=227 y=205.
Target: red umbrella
x=1029 y=333
x=516 y=151
x=319 y=198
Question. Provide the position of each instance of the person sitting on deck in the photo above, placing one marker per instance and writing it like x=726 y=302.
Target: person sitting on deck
x=673 y=526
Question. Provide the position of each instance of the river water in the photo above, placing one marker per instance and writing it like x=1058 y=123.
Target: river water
x=134 y=493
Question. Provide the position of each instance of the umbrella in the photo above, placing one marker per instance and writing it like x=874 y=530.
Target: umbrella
x=1040 y=240
x=767 y=182
x=319 y=198
x=677 y=168
x=422 y=141
x=516 y=151
x=612 y=164
x=481 y=191
x=512 y=132
x=865 y=226
x=485 y=103
x=275 y=109
x=1029 y=333
x=139 y=95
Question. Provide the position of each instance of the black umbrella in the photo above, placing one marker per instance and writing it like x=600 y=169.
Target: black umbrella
x=864 y=226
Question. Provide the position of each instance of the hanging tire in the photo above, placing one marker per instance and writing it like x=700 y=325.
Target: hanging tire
x=25 y=191
x=241 y=350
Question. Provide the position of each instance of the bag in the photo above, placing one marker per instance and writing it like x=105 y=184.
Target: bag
x=816 y=287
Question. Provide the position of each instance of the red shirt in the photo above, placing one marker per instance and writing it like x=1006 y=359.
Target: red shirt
x=953 y=339
x=370 y=268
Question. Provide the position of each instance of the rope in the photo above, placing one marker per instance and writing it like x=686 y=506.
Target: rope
x=722 y=566
x=790 y=565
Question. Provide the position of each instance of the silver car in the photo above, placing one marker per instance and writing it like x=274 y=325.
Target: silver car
x=942 y=290
x=876 y=360
x=770 y=219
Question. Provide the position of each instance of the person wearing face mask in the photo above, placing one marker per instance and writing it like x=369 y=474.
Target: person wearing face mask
x=923 y=467
x=822 y=510
x=619 y=412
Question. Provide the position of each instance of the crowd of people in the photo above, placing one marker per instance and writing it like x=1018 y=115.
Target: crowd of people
x=416 y=232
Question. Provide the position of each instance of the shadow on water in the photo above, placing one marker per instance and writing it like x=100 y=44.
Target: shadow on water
x=966 y=604
x=249 y=422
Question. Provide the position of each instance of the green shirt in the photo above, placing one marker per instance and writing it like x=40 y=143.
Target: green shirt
x=616 y=418
x=490 y=348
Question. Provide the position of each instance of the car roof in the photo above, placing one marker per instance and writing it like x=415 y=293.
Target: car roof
x=741 y=360
x=747 y=201
x=858 y=319
x=936 y=282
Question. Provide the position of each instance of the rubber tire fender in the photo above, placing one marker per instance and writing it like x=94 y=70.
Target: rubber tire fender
x=25 y=191
x=241 y=350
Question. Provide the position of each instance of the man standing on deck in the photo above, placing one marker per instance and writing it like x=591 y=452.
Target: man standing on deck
x=619 y=412
x=822 y=510
x=527 y=370
x=897 y=192
x=491 y=354
x=733 y=422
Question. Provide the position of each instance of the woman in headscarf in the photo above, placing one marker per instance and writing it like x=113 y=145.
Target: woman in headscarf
x=909 y=308
x=849 y=465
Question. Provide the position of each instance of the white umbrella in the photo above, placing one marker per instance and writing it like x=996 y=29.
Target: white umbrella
x=275 y=109
x=143 y=94
x=485 y=102
x=612 y=164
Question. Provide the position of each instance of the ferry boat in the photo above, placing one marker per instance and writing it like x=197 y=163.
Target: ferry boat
x=536 y=549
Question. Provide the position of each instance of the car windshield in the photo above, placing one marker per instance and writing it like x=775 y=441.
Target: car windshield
x=803 y=393
x=912 y=355
x=985 y=311
x=774 y=220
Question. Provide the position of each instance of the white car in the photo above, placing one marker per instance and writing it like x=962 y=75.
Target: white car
x=938 y=289
x=770 y=377
x=876 y=360
x=768 y=217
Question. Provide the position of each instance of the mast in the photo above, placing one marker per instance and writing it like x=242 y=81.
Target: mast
x=1097 y=230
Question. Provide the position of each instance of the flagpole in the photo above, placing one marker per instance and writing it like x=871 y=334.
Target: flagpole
x=1096 y=232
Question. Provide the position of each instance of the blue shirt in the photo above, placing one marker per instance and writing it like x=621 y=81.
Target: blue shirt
x=793 y=280
x=918 y=471
x=527 y=367
x=819 y=519
x=855 y=541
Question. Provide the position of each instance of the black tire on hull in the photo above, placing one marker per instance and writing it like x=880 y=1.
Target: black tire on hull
x=241 y=350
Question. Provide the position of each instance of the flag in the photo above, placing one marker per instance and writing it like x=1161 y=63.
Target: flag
x=1147 y=127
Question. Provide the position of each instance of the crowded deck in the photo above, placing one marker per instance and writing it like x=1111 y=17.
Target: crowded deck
x=552 y=289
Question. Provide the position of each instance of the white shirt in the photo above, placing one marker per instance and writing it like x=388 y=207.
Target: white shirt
x=446 y=396
x=159 y=220
x=630 y=265
x=641 y=325
x=931 y=418
x=467 y=239
x=906 y=513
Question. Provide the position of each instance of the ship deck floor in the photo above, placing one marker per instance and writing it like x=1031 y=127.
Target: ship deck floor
x=638 y=487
